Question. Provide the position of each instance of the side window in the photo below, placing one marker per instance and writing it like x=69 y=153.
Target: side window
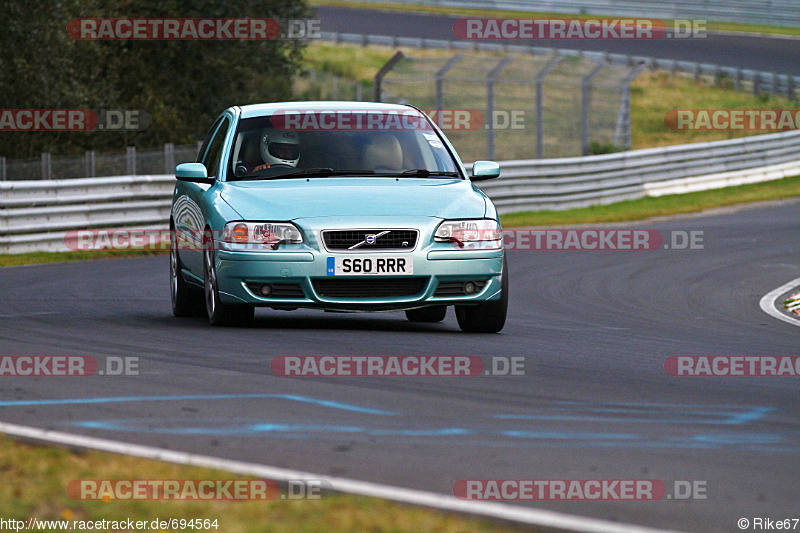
x=207 y=140
x=212 y=157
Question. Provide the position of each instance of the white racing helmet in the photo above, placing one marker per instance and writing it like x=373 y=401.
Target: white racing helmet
x=280 y=147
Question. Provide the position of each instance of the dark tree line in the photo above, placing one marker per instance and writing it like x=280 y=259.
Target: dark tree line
x=182 y=84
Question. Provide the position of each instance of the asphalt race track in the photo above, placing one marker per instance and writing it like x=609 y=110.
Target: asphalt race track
x=771 y=54
x=595 y=402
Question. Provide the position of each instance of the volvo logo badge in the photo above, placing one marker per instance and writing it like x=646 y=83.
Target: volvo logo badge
x=369 y=238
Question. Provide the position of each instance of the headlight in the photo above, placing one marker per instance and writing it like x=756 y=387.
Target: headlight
x=470 y=233
x=267 y=233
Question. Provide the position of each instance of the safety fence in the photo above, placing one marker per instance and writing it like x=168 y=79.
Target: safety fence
x=740 y=79
x=528 y=104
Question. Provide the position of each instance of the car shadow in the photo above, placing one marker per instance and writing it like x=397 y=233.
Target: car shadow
x=290 y=320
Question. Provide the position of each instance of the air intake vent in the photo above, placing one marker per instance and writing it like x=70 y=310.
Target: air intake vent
x=369 y=288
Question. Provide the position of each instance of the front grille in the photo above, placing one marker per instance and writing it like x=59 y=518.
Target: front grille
x=456 y=288
x=369 y=288
x=396 y=239
x=279 y=290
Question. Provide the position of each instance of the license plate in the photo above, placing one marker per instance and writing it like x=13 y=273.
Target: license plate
x=369 y=266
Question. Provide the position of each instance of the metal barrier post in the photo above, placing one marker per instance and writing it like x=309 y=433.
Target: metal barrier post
x=490 y=79
x=47 y=169
x=169 y=158
x=586 y=95
x=622 y=133
x=90 y=164
x=440 y=74
x=553 y=63
x=131 y=160
x=384 y=71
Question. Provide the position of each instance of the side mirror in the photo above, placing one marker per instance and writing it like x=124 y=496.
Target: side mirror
x=485 y=170
x=194 y=172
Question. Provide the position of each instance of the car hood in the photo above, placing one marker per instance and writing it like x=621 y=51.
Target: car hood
x=295 y=198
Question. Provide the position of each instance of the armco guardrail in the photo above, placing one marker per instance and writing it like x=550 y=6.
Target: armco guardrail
x=582 y=181
x=767 y=12
x=36 y=215
x=759 y=82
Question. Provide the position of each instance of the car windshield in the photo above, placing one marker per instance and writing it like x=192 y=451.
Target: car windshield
x=326 y=143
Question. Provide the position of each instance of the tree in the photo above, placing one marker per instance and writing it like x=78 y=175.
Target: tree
x=183 y=85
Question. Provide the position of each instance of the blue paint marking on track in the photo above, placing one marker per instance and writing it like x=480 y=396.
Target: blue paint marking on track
x=760 y=442
x=273 y=428
x=570 y=435
x=724 y=415
x=566 y=412
x=123 y=399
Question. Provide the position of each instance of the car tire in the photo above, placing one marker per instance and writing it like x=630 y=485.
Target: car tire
x=186 y=300
x=220 y=314
x=435 y=313
x=487 y=317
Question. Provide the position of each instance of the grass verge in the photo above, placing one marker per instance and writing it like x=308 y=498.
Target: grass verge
x=35 y=480
x=712 y=26
x=673 y=204
x=60 y=257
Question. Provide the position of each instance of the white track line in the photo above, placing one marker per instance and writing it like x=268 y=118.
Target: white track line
x=550 y=520
x=768 y=302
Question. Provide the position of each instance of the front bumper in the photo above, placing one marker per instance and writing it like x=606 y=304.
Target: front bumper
x=304 y=266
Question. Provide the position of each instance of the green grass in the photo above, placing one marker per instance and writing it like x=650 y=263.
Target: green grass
x=712 y=26
x=674 y=204
x=654 y=93
x=59 y=257
x=35 y=480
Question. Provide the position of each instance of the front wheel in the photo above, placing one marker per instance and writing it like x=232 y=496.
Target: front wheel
x=427 y=314
x=487 y=317
x=186 y=300
x=220 y=314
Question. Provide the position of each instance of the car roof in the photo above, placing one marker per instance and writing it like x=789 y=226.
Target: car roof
x=260 y=110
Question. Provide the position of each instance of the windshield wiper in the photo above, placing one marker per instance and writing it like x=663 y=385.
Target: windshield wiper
x=419 y=173
x=314 y=172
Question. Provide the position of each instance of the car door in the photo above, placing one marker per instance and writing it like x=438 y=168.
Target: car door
x=187 y=212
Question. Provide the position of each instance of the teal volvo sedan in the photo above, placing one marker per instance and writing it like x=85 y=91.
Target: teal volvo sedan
x=339 y=206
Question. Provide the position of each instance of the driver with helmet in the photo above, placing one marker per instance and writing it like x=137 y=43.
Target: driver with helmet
x=277 y=148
